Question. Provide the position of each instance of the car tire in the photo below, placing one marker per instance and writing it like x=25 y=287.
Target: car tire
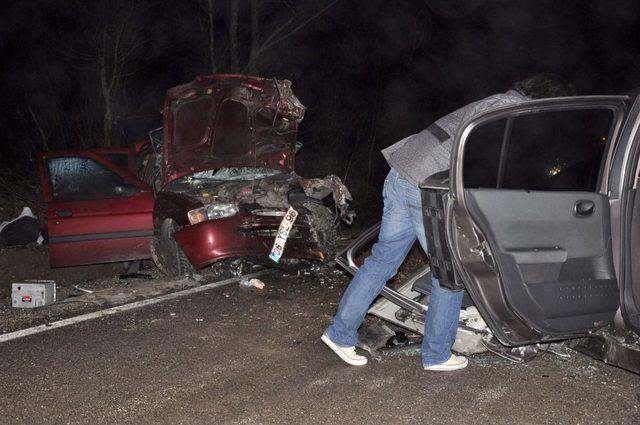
x=167 y=254
x=323 y=228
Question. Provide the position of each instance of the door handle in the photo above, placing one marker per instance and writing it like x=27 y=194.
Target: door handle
x=584 y=208
x=60 y=213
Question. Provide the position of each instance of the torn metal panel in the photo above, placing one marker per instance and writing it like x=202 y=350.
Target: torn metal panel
x=470 y=332
x=267 y=190
x=622 y=351
x=521 y=354
x=264 y=187
x=320 y=188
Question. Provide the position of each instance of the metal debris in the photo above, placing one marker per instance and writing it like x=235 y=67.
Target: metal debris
x=86 y=291
x=251 y=283
x=319 y=188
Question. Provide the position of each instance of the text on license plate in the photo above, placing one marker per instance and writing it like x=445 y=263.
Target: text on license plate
x=283 y=233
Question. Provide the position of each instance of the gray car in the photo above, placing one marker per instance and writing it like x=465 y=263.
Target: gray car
x=538 y=220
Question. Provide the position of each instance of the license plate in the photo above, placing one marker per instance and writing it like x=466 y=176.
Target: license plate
x=283 y=233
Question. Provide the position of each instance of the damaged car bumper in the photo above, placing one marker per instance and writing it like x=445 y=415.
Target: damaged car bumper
x=245 y=235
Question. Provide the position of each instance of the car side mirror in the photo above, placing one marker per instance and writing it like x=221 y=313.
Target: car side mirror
x=298 y=147
x=126 y=189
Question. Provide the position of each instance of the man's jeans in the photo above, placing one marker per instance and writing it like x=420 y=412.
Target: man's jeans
x=401 y=225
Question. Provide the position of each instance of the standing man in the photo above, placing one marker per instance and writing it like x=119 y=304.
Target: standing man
x=412 y=160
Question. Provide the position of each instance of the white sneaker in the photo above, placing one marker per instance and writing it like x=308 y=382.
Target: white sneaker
x=454 y=363
x=348 y=354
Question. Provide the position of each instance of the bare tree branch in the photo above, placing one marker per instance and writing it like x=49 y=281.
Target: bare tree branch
x=274 y=34
x=43 y=136
x=301 y=25
x=118 y=41
x=282 y=33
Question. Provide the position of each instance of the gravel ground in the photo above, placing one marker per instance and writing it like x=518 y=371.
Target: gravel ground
x=232 y=356
x=32 y=262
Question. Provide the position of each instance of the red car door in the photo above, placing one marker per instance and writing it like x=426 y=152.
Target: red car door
x=96 y=212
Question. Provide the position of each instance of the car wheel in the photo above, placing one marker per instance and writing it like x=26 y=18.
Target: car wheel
x=324 y=229
x=167 y=254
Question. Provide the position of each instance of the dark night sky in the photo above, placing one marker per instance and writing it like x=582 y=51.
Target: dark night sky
x=369 y=71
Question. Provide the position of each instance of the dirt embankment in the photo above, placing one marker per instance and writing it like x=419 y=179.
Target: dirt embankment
x=17 y=264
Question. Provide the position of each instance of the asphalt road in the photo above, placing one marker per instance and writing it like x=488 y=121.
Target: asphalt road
x=236 y=357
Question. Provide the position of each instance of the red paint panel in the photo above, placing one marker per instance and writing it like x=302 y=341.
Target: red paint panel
x=210 y=241
x=106 y=251
x=94 y=219
x=101 y=216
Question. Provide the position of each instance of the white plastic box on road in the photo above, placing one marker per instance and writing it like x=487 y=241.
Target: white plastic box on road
x=33 y=293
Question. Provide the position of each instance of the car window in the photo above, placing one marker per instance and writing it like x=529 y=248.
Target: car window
x=548 y=151
x=482 y=155
x=119 y=159
x=81 y=179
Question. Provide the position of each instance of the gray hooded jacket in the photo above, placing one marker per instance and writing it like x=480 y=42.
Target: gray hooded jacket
x=423 y=154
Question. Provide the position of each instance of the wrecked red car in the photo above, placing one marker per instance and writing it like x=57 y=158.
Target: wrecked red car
x=217 y=182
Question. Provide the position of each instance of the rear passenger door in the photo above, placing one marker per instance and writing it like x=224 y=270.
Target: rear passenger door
x=528 y=217
x=96 y=212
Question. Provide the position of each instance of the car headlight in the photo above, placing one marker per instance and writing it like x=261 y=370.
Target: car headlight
x=212 y=212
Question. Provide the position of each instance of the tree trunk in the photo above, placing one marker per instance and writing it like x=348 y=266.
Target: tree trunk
x=107 y=83
x=43 y=136
x=108 y=122
x=212 y=57
x=233 y=34
x=255 y=4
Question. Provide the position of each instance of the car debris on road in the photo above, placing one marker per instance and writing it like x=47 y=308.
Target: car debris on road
x=253 y=283
x=33 y=293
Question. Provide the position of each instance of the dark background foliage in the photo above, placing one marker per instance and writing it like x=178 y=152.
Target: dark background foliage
x=369 y=71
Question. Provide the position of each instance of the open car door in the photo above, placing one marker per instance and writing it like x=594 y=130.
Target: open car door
x=96 y=211
x=528 y=216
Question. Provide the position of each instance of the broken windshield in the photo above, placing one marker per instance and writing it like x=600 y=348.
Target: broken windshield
x=235 y=173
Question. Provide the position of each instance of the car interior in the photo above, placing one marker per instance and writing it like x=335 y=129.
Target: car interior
x=535 y=196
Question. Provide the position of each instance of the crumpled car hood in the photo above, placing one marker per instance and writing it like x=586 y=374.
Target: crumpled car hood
x=229 y=121
x=267 y=192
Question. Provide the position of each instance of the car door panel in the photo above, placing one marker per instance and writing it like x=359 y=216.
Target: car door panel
x=631 y=294
x=558 y=265
x=100 y=231
x=88 y=228
x=533 y=245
